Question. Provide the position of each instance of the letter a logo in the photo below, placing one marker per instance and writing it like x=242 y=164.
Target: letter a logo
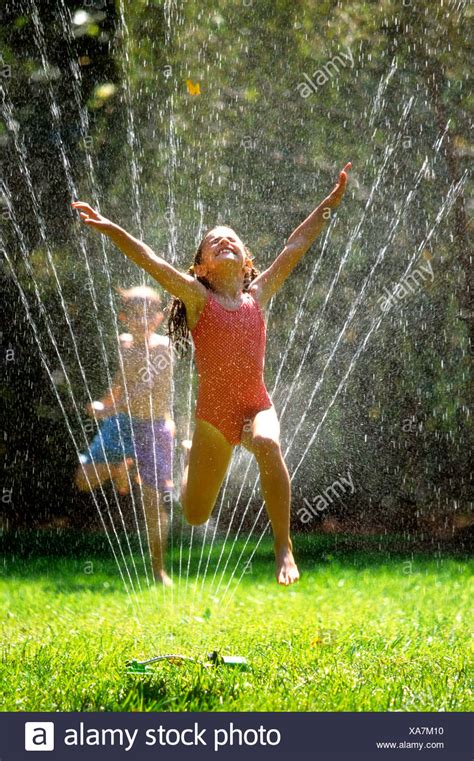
x=39 y=735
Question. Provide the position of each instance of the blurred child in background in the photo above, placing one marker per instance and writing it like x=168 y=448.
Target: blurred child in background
x=137 y=420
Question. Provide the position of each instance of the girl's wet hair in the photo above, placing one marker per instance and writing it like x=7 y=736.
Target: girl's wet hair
x=178 y=330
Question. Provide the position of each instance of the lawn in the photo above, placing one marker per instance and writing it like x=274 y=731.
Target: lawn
x=366 y=629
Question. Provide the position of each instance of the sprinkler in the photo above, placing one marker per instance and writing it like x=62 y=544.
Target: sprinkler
x=142 y=667
x=213 y=659
x=230 y=661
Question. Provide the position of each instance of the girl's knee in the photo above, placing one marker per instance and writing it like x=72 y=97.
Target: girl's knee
x=195 y=511
x=195 y=519
x=265 y=447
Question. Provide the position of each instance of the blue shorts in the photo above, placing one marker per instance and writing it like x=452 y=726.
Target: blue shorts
x=148 y=442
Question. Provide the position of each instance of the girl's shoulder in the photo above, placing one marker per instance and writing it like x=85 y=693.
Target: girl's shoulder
x=254 y=294
x=194 y=310
x=194 y=317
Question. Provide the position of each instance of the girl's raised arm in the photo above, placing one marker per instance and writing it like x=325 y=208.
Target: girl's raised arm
x=179 y=284
x=271 y=280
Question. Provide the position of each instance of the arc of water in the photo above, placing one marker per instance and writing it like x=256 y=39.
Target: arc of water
x=25 y=172
x=357 y=302
x=65 y=374
x=188 y=436
x=293 y=333
x=381 y=90
x=190 y=399
x=134 y=150
x=188 y=432
x=388 y=153
x=172 y=18
x=453 y=192
x=65 y=16
x=21 y=152
x=41 y=46
x=24 y=251
x=354 y=306
x=382 y=86
x=404 y=206
x=172 y=167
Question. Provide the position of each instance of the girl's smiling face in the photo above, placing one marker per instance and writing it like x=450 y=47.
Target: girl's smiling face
x=221 y=249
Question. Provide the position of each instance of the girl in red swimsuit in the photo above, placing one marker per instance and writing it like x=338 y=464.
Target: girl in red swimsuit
x=220 y=301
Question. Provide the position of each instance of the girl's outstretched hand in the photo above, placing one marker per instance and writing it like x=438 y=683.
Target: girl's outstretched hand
x=340 y=187
x=91 y=217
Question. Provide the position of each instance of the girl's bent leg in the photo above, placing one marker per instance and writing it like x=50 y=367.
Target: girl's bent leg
x=264 y=442
x=209 y=459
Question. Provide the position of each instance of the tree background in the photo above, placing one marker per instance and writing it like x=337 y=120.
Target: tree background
x=98 y=103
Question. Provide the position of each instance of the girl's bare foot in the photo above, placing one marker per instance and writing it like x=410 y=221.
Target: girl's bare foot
x=161 y=577
x=286 y=570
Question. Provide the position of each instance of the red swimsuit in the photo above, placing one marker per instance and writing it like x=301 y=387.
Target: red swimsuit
x=230 y=358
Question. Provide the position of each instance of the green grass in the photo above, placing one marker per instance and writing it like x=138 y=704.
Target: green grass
x=364 y=630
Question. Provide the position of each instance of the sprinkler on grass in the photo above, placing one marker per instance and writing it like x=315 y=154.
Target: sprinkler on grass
x=213 y=659
x=136 y=667
x=142 y=667
x=230 y=661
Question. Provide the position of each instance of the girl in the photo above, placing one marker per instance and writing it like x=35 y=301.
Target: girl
x=220 y=301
